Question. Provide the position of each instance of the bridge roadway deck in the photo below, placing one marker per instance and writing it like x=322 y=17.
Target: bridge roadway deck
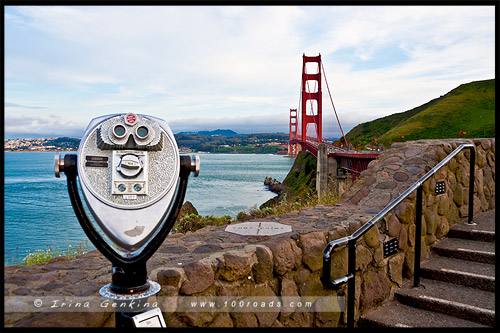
x=351 y=161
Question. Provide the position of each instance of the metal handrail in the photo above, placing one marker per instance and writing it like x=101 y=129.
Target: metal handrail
x=351 y=240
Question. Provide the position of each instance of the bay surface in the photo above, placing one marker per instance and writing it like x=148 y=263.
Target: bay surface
x=38 y=212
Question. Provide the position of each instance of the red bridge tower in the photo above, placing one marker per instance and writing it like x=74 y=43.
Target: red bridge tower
x=292 y=142
x=308 y=95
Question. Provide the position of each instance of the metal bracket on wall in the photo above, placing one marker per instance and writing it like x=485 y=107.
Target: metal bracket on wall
x=440 y=188
x=390 y=247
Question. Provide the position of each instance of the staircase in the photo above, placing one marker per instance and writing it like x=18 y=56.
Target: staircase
x=457 y=285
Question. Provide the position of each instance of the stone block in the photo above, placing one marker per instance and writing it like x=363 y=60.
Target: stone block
x=339 y=262
x=313 y=244
x=403 y=238
x=302 y=275
x=452 y=164
x=60 y=319
x=199 y=277
x=400 y=176
x=442 y=228
x=369 y=181
x=300 y=319
x=462 y=174
x=363 y=257
x=378 y=256
x=336 y=233
x=379 y=201
x=237 y=265
x=327 y=312
x=263 y=268
x=244 y=319
x=396 y=268
x=428 y=200
x=409 y=263
x=362 y=193
x=168 y=303
x=431 y=217
x=265 y=319
x=413 y=151
x=391 y=160
x=490 y=158
x=353 y=226
x=412 y=228
x=393 y=226
x=481 y=158
x=170 y=277
x=372 y=237
x=288 y=287
x=375 y=289
x=286 y=254
x=393 y=167
x=414 y=161
x=222 y=319
x=405 y=212
x=382 y=175
x=443 y=204
x=386 y=185
x=313 y=286
x=430 y=239
x=413 y=170
x=175 y=321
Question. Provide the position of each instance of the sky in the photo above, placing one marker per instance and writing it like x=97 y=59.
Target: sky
x=233 y=67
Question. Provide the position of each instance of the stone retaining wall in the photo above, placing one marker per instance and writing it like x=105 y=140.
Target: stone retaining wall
x=212 y=262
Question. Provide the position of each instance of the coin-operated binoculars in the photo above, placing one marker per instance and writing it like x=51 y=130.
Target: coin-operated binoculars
x=133 y=180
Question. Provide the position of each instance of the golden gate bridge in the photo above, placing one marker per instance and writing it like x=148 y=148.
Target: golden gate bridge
x=306 y=124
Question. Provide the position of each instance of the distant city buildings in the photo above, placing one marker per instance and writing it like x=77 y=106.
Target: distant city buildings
x=233 y=144
x=41 y=144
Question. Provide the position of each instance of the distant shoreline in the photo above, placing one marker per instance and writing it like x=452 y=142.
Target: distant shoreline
x=182 y=152
x=40 y=151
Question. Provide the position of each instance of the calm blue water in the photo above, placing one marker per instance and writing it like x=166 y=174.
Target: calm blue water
x=38 y=211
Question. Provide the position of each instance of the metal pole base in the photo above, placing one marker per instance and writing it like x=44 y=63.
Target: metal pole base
x=131 y=305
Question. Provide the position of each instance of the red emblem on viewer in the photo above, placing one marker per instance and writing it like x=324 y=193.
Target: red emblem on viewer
x=130 y=118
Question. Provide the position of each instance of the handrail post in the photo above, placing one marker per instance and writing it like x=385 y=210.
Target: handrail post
x=350 y=241
x=471 y=185
x=418 y=236
x=351 y=284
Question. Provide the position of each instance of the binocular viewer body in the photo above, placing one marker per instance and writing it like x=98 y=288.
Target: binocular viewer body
x=128 y=180
x=133 y=180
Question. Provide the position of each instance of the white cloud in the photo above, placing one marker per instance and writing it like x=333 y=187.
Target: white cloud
x=204 y=63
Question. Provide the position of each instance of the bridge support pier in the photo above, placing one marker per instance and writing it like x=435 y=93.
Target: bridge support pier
x=330 y=179
x=322 y=172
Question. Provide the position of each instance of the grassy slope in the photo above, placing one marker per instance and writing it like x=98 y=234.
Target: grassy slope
x=469 y=107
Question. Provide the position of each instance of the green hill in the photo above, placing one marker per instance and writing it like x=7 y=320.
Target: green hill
x=469 y=107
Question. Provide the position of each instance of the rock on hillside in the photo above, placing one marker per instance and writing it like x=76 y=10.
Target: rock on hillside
x=300 y=182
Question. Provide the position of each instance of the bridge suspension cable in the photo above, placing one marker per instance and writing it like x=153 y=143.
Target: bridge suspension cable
x=331 y=99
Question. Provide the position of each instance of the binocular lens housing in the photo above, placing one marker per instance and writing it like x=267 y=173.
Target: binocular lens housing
x=142 y=132
x=119 y=131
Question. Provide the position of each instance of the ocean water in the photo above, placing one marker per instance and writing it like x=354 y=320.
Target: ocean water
x=38 y=212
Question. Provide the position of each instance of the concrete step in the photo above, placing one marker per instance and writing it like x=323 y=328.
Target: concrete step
x=458 y=271
x=394 y=314
x=457 y=286
x=483 y=230
x=451 y=299
x=466 y=249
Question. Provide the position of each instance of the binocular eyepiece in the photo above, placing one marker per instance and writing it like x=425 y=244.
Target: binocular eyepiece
x=133 y=181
